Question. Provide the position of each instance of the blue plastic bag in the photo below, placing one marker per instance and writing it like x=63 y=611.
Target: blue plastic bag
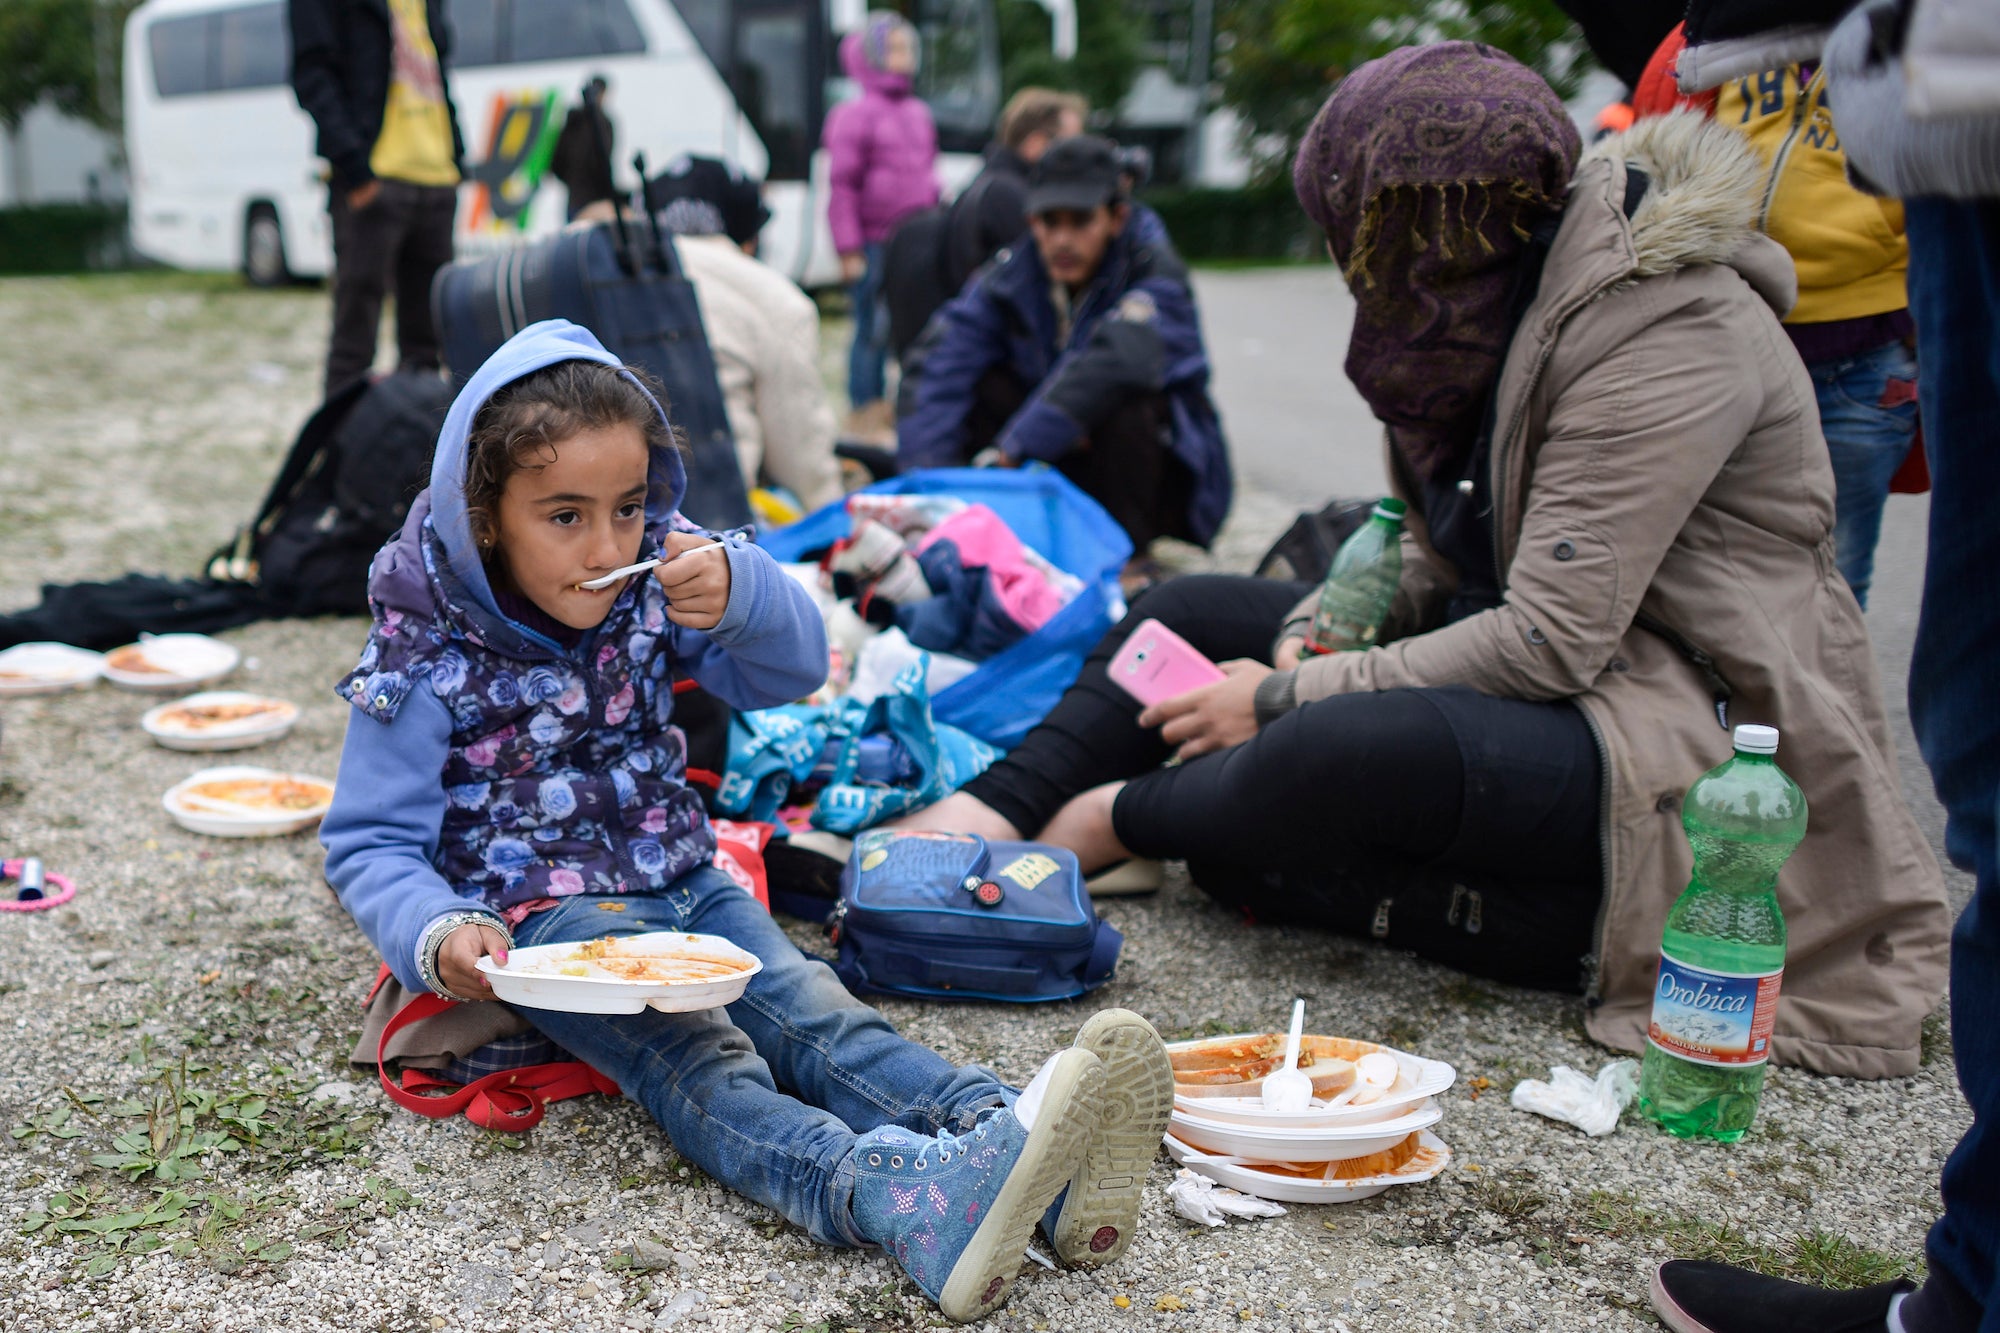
x=1013 y=690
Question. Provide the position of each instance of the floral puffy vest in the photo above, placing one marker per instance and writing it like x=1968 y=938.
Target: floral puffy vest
x=564 y=776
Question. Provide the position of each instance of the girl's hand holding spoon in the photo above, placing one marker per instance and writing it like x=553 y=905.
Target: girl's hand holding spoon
x=697 y=587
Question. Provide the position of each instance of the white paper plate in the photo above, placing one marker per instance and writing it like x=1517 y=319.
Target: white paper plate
x=185 y=662
x=229 y=824
x=47 y=668
x=1323 y=1144
x=1238 y=1174
x=530 y=978
x=1418 y=1080
x=242 y=734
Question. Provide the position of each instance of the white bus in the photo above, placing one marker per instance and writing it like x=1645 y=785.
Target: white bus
x=224 y=175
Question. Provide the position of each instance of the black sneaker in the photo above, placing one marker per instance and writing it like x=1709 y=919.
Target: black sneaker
x=1698 y=1297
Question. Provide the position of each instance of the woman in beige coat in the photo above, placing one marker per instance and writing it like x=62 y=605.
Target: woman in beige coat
x=1620 y=546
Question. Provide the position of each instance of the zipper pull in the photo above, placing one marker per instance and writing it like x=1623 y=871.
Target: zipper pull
x=833 y=922
x=1473 y=920
x=1457 y=897
x=1380 y=929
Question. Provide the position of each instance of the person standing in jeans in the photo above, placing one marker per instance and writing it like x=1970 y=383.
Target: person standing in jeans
x=371 y=74
x=1915 y=85
x=881 y=149
x=1851 y=323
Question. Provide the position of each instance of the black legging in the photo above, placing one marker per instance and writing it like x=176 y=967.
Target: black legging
x=1390 y=814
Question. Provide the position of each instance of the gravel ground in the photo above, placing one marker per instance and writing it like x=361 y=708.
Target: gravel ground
x=191 y=1150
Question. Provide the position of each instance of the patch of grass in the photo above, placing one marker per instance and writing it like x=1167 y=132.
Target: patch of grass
x=1934 y=1040
x=1817 y=1257
x=1405 y=1031
x=1511 y=1201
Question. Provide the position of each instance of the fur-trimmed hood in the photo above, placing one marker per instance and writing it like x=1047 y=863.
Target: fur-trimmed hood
x=1699 y=204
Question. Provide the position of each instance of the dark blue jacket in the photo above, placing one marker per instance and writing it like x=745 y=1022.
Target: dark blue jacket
x=1135 y=330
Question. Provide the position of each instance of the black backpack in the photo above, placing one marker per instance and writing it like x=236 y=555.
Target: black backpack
x=343 y=491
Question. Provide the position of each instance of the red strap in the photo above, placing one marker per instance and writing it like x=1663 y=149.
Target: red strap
x=510 y=1101
x=705 y=777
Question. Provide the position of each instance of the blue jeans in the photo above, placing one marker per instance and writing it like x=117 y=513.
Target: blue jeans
x=868 y=358
x=1868 y=439
x=1954 y=681
x=712 y=1080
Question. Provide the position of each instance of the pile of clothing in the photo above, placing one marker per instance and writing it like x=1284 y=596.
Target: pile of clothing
x=929 y=574
x=922 y=591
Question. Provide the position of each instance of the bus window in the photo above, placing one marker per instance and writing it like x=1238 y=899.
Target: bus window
x=253 y=47
x=960 y=77
x=708 y=20
x=772 y=47
x=475 y=33
x=180 y=55
x=570 y=29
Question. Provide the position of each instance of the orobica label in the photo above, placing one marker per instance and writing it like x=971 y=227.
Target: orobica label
x=1714 y=1018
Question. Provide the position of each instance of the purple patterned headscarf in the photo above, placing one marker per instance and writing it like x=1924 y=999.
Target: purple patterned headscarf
x=1428 y=169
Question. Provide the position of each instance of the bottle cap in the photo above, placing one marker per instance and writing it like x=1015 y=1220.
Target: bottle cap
x=1754 y=739
x=1390 y=507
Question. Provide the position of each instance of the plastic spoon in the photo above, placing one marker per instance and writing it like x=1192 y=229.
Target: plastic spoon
x=1287 y=1088
x=627 y=571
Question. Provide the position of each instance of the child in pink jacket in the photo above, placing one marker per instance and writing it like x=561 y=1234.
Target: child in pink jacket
x=882 y=149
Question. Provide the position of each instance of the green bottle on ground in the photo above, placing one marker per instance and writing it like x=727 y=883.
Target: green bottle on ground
x=1723 y=954
x=1354 y=600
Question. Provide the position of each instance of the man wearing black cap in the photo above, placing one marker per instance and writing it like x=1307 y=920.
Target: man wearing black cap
x=1082 y=350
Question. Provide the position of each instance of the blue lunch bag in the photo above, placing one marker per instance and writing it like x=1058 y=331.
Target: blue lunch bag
x=950 y=916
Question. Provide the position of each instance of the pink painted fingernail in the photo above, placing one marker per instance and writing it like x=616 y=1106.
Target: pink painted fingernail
x=500 y=957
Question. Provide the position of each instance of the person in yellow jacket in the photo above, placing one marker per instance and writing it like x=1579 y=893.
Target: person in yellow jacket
x=1852 y=321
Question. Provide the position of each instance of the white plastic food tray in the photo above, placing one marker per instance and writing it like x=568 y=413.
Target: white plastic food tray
x=530 y=978
x=186 y=662
x=241 y=734
x=1418 y=1080
x=47 y=668
x=227 y=824
x=1236 y=1173
x=1327 y=1143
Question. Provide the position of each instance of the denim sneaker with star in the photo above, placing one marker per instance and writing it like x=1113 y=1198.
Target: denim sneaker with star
x=1696 y=1296
x=957 y=1210
x=1092 y=1222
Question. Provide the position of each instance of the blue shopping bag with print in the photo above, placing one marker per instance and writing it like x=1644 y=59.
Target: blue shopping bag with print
x=1014 y=689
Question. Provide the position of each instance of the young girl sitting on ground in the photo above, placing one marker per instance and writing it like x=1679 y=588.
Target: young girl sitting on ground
x=513 y=769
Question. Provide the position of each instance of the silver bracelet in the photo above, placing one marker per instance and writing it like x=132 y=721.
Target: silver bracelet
x=433 y=940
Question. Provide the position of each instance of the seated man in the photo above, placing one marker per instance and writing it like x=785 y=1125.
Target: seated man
x=763 y=330
x=1082 y=350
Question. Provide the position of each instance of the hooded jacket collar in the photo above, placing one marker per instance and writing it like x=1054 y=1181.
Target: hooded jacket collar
x=882 y=82
x=432 y=567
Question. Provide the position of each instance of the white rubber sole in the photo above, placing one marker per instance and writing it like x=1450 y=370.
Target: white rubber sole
x=1136 y=875
x=1675 y=1319
x=1071 y=1108
x=1101 y=1214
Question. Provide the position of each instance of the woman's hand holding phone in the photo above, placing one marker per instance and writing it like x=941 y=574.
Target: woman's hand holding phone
x=1213 y=717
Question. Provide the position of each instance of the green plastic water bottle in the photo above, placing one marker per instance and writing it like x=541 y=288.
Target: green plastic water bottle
x=1723 y=954
x=1354 y=600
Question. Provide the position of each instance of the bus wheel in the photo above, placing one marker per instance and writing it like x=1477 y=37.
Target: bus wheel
x=264 y=248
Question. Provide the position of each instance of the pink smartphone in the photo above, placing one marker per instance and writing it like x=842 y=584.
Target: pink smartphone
x=1156 y=664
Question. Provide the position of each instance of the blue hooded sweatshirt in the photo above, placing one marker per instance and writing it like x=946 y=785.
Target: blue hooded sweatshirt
x=488 y=764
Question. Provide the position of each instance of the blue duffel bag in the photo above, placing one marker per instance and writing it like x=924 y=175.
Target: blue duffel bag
x=1014 y=689
x=950 y=916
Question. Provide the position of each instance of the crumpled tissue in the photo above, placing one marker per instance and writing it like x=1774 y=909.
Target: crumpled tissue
x=1199 y=1199
x=1592 y=1105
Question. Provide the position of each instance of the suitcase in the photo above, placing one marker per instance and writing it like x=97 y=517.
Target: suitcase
x=623 y=281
